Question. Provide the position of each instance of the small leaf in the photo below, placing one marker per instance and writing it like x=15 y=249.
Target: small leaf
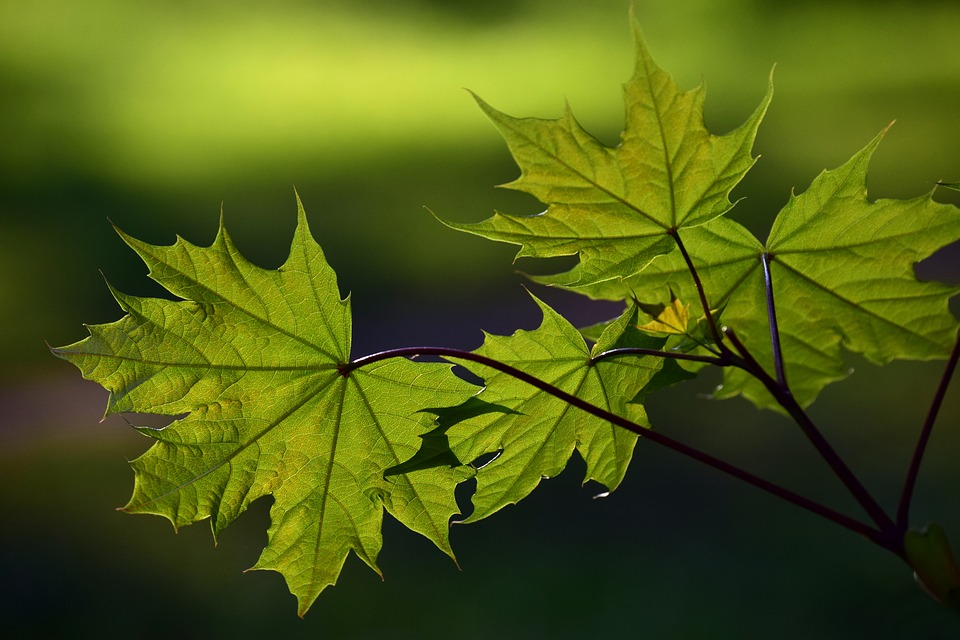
x=843 y=275
x=539 y=432
x=671 y=319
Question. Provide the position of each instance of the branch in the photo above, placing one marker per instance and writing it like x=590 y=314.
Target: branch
x=903 y=511
x=785 y=494
x=786 y=400
x=772 y=320
x=714 y=331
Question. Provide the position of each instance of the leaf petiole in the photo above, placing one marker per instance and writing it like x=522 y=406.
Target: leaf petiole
x=772 y=320
x=714 y=330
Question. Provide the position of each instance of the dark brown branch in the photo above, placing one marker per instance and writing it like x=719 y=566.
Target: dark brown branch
x=786 y=400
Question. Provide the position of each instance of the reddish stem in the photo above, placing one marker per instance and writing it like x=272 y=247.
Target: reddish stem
x=903 y=511
x=785 y=494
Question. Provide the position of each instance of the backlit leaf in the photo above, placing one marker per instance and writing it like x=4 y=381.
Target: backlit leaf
x=254 y=358
x=616 y=207
x=534 y=432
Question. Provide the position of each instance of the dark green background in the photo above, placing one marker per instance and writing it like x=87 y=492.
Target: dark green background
x=154 y=114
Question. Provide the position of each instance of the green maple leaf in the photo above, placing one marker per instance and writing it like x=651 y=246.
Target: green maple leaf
x=843 y=274
x=255 y=358
x=842 y=269
x=534 y=432
x=616 y=207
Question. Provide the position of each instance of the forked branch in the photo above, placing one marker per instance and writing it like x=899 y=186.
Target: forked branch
x=786 y=400
x=781 y=392
x=903 y=511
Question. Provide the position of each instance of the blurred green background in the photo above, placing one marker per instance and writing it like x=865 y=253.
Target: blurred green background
x=154 y=114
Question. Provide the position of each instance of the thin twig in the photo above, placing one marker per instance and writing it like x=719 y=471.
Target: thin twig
x=820 y=443
x=772 y=320
x=903 y=511
x=714 y=330
x=691 y=452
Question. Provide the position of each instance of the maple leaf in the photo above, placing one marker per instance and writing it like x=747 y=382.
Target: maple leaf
x=842 y=269
x=671 y=319
x=617 y=207
x=255 y=358
x=533 y=432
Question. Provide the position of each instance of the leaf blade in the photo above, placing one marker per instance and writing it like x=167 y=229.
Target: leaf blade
x=615 y=207
x=534 y=432
x=254 y=360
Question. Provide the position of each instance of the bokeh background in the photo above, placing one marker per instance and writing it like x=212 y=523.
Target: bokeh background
x=153 y=115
